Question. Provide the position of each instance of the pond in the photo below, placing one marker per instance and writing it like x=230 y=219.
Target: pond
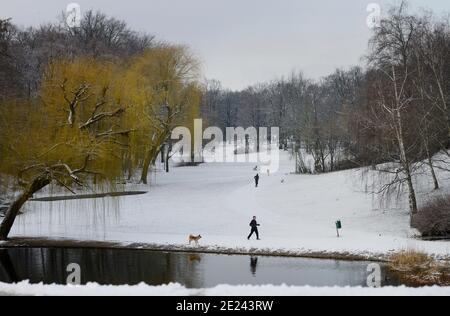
x=119 y=267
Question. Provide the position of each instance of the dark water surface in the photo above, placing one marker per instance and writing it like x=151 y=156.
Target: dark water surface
x=117 y=267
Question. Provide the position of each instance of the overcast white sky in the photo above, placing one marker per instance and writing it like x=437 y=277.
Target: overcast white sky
x=241 y=42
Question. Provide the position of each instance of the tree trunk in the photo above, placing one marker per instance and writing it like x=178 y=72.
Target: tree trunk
x=128 y=167
x=430 y=163
x=146 y=167
x=433 y=173
x=163 y=156
x=322 y=159
x=152 y=155
x=167 y=159
x=444 y=104
x=331 y=150
x=426 y=133
x=402 y=147
x=412 y=193
x=10 y=216
x=407 y=166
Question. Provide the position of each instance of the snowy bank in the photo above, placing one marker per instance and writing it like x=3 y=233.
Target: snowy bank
x=27 y=289
x=212 y=249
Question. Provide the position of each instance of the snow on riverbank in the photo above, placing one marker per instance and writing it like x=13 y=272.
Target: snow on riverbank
x=297 y=213
x=26 y=289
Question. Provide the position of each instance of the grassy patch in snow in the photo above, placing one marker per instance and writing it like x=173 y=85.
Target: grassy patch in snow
x=420 y=268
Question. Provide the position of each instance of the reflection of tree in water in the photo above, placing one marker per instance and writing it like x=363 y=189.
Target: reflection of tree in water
x=102 y=266
x=7 y=271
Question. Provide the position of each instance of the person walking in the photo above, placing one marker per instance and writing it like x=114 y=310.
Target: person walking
x=254 y=225
x=256 y=180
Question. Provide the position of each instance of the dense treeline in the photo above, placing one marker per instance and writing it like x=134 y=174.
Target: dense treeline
x=26 y=53
x=394 y=110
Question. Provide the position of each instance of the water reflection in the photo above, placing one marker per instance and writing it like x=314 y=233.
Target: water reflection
x=118 y=267
x=253 y=265
x=102 y=266
x=8 y=267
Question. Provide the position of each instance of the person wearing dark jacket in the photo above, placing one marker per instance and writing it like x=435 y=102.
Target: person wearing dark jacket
x=257 y=180
x=254 y=225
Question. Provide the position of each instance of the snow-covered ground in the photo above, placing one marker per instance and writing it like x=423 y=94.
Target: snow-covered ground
x=26 y=289
x=218 y=201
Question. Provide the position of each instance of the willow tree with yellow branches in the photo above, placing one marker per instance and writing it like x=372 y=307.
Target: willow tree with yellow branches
x=72 y=136
x=162 y=84
x=94 y=121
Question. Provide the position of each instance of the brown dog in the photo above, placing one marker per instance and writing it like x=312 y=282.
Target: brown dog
x=195 y=239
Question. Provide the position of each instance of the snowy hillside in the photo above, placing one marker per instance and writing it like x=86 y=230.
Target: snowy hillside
x=297 y=213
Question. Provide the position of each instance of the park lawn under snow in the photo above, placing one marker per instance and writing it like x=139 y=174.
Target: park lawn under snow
x=218 y=202
x=26 y=289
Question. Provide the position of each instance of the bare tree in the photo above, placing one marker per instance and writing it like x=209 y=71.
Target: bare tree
x=391 y=54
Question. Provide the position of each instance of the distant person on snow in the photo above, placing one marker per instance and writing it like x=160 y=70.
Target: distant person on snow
x=257 y=180
x=254 y=225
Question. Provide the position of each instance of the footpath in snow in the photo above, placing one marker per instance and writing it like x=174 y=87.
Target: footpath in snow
x=297 y=214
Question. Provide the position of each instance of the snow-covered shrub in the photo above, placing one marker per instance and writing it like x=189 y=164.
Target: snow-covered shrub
x=433 y=219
